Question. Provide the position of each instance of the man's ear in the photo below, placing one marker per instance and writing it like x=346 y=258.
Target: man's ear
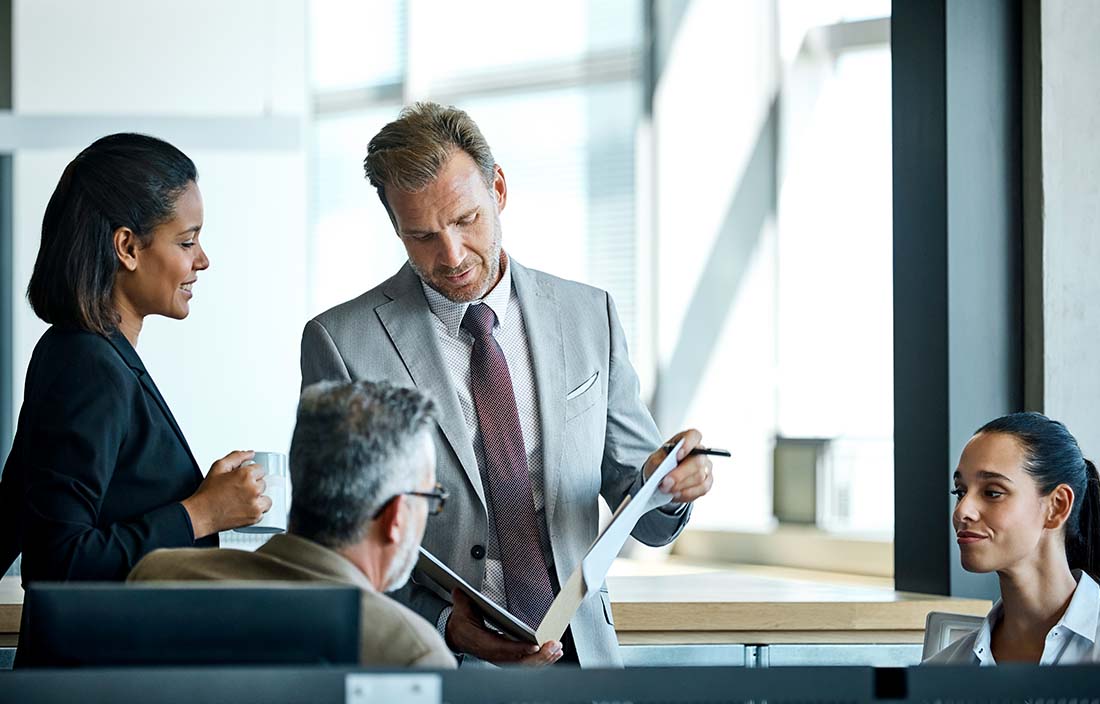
x=1059 y=506
x=500 y=188
x=126 y=248
x=389 y=520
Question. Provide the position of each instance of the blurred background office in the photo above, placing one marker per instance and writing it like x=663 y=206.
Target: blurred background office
x=724 y=169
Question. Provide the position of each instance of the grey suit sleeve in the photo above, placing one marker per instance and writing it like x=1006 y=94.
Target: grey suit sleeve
x=631 y=437
x=321 y=361
x=425 y=602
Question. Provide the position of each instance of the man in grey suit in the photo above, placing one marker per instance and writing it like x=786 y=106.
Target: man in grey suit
x=539 y=406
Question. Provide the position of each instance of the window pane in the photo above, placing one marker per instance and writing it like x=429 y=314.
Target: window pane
x=455 y=39
x=776 y=214
x=354 y=245
x=356 y=43
x=835 y=309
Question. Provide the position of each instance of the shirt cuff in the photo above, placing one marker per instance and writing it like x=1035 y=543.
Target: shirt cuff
x=441 y=622
x=441 y=626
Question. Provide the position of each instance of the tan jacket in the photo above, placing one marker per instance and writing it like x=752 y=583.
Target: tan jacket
x=392 y=634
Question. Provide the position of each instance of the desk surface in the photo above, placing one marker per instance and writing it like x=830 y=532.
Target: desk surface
x=689 y=602
x=685 y=602
x=11 y=605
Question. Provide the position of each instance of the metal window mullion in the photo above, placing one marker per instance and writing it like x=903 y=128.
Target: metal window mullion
x=611 y=67
x=614 y=67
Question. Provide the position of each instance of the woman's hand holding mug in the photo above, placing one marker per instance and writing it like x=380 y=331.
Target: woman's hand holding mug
x=231 y=496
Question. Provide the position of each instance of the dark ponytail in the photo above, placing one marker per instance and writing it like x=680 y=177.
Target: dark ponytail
x=1084 y=550
x=1052 y=458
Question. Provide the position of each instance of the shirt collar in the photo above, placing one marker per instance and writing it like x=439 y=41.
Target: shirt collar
x=1082 y=616
x=982 y=651
x=451 y=313
x=1083 y=613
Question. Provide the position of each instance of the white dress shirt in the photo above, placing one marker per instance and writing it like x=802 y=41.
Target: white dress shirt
x=457 y=346
x=1074 y=640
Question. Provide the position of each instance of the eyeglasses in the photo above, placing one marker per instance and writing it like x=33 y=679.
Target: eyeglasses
x=437 y=498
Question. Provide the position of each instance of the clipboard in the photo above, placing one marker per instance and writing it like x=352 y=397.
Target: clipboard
x=586 y=578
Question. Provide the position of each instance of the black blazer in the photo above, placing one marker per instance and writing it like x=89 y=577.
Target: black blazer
x=98 y=466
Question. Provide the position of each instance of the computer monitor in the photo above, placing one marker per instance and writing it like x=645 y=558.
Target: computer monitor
x=112 y=624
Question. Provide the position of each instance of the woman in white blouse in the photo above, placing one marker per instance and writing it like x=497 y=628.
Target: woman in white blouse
x=1028 y=508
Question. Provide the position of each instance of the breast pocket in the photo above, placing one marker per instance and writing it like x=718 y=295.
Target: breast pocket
x=582 y=397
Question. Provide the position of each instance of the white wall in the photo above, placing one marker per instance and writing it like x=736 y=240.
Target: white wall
x=158 y=57
x=1071 y=218
x=230 y=371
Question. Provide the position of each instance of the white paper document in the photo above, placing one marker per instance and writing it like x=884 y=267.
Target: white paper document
x=607 y=546
x=585 y=580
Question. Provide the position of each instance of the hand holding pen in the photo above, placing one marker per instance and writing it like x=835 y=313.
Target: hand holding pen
x=692 y=476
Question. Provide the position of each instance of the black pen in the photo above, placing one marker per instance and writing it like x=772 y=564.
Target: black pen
x=667 y=447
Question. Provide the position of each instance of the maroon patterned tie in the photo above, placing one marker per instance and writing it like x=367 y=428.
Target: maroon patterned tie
x=526 y=578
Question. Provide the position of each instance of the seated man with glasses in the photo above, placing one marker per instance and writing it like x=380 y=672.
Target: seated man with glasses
x=362 y=466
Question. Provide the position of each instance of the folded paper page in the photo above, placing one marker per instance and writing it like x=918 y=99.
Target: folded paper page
x=606 y=548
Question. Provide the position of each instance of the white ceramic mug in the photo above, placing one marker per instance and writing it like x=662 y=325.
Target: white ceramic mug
x=278 y=490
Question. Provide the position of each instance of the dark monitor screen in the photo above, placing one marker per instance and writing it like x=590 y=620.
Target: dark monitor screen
x=111 y=624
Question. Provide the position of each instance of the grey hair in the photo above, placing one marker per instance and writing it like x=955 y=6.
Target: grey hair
x=352 y=451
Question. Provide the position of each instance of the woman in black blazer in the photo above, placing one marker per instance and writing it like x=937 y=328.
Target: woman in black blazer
x=99 y=473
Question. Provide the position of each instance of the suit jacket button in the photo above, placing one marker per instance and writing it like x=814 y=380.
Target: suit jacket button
x=477 y=552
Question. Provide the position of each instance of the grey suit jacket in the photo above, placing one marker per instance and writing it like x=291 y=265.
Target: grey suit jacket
x=596 y=432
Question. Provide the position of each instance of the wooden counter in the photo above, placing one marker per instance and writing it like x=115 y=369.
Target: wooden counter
x=684 y=602
x=11 y=605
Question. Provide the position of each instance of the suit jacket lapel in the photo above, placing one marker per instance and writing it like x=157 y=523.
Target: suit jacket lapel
x=542 y=319
x=407 y=319
x=130 y=356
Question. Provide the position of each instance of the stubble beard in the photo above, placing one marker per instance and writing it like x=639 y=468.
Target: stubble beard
x=492 y=271
x=403 y=563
